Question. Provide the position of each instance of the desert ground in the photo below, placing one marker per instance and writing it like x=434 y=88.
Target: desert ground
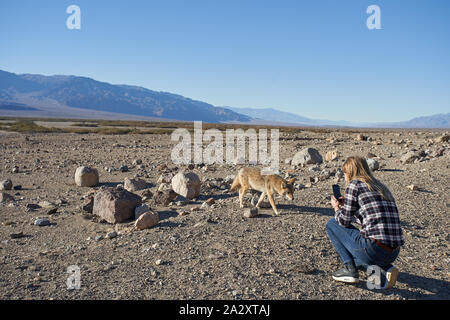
x=201 y=251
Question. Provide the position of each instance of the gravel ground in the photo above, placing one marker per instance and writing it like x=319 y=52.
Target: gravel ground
x=211 y=253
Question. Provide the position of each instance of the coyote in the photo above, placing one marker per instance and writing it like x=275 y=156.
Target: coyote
x=251 y=178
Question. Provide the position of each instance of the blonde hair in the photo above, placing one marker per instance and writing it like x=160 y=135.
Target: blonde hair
x=357 y=168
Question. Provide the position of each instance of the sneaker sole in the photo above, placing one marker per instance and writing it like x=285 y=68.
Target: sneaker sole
x=391 y=277
x=346 y=279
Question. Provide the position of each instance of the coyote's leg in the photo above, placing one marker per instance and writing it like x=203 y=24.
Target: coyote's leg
x=272 y=203
x=261 y=199
x=242 y=192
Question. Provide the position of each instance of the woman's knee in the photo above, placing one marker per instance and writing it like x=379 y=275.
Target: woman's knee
x=332 y=223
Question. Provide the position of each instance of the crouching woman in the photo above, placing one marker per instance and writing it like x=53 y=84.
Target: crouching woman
x=378 y=242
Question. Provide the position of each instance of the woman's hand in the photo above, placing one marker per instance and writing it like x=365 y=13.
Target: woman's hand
x=335 y=203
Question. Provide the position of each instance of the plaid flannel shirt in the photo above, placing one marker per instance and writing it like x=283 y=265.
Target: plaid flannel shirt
x=379 y=217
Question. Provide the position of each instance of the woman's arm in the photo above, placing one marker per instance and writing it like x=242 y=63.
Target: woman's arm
x=343 y=214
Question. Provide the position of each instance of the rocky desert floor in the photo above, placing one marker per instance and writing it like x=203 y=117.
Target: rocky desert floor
x=212 y=252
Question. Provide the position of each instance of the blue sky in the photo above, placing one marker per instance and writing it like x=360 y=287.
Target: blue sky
x=314 y=58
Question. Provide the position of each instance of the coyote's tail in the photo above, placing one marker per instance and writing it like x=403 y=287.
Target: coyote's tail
x=236 y=184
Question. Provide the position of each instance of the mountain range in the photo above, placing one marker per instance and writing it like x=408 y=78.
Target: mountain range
x=288 y=118
x=61 y=96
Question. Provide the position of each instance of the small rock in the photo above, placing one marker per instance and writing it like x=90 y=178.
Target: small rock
x=307 y=156
x=205 y=206
x=6 y=184
x=165 y=178
x=410 y=157
x=146 y=220
x=5 y=197
x=373 y=164
x=250 y=212
x=31 y=206
x=164 y=197
x=111 y=235
x=443 y=138
x=331 y=155
x=41 y=222
x=52 y=211
x=186 y=184
x=17 y=235
x=134 y=184
x=412 y=187
x=161 y=167
x=361 y=137
x=15 y=169
x=46 y=204
x=339 y=173
x=229 y=179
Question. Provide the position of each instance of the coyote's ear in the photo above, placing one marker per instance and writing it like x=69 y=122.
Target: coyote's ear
x=291 y=181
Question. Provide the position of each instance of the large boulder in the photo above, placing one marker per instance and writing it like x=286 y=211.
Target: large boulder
x=186 y=184
x=115 y=205
x=86 y=177
x=6 y=185
x=307 y=156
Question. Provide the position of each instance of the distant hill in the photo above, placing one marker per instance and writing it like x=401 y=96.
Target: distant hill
x=88 y=94
x=276 y=116
x=272 y=115
x=435 y=121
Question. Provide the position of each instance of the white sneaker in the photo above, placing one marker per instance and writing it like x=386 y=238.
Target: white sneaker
x=391 y=277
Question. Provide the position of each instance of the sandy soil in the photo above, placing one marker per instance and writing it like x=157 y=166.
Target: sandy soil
x=214 y=253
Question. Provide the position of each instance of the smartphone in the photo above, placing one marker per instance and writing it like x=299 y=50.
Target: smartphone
x=336 y=191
